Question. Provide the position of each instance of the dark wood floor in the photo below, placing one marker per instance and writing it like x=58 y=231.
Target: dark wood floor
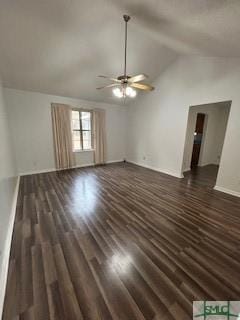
x=121 y=242
x=202 y=176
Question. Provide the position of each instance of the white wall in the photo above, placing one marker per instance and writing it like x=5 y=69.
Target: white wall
x=158 y=121
x=7 y=190
x=216 y=116
x=30 y=120
x=221 y=130
x=216 y=125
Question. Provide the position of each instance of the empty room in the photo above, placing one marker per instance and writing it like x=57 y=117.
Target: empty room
x=119 y=160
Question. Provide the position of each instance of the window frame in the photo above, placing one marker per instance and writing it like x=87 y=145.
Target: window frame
x=81 y=130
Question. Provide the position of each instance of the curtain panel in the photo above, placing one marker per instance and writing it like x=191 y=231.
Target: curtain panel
x=99 y=136
x=62 y=136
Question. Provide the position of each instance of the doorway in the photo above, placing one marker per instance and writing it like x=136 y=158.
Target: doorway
x=197 y=142
x=205 y=134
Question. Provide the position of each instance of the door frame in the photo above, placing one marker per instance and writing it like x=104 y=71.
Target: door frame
x=183 y=164
x=203 y=139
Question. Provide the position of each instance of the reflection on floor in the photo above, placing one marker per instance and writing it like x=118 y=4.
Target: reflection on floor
x=121 y=242
x=205 y=176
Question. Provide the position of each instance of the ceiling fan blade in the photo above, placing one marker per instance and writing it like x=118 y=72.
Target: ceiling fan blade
x=109 y=86
x=109 y=78
x=142 y=86
x=138 y=78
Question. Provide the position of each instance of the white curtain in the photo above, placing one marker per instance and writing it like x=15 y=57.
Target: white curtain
x=99 y=136
x=62 y=136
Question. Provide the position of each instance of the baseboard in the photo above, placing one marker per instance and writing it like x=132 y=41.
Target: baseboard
x=74 y=167
x=54 y=169
x=114 y=161
x=170 y=173
x=187 y=169
x=79 y=166
x=208 y=164
x=202 y=164
x=229 y=191
x=36 y=172
x=7 y=247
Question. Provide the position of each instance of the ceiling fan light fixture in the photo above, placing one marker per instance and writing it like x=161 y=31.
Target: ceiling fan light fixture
x=124 y=92
x=130 y=92
x=118 y=92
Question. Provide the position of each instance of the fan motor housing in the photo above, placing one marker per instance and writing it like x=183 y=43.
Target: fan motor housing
x=123 y=78
x=126 y=17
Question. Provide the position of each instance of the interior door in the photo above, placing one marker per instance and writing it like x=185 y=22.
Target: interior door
x=198 y=134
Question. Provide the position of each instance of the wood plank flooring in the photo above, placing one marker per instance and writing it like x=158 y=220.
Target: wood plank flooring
x=121 y=242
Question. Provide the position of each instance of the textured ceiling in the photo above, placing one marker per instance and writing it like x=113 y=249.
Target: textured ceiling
x=60 y=46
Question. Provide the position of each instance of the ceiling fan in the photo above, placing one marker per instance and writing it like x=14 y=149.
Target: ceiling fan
x=125 y=85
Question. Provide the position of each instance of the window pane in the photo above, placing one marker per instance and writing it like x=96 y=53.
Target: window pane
x=75 y=115
x=75 y=124
x=76 y=145
x=86 y=120
x=85 y=126
x=76 y=135
x=76 y=140
x=87 y=140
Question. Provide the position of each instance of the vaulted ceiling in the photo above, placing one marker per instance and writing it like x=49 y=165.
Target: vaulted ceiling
x=60 y=46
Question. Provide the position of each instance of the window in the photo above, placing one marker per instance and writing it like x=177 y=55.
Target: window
x=81 y=130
